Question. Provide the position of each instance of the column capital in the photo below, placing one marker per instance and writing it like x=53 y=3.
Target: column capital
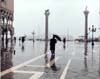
x=86 y=12
x=47 y=12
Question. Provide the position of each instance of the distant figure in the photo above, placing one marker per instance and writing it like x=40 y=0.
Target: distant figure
x=14 y=52
x=64 y=42
x=14 y=39
x=23 y=39
x=19 y=40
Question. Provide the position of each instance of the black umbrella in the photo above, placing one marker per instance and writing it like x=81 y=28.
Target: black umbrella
x=57 y=37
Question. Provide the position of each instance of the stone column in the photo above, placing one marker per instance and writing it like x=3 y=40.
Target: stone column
x=0 y=31
x=0 y=39
x=0 y=26
x=6 y=30
x=12 y=28
x=46 y=29
x=86 y=12
x=3 y=29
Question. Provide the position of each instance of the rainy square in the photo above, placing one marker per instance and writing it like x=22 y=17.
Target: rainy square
x=29 y=62
x=49 y=39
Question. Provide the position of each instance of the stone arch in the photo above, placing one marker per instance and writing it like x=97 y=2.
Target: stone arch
x=6 y=24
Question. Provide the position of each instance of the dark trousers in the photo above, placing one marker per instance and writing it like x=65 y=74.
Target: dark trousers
x=53 y=52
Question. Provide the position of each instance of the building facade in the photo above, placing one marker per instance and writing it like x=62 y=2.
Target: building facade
x=6 y=19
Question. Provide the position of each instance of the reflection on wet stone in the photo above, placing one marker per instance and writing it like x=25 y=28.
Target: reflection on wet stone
x=22 y=48
x=6 y=60
x=8 y=76
x=85 y=64
x=52 y=63
x=99 y=64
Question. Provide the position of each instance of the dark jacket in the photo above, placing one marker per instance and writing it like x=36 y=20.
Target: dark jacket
x=52 y=43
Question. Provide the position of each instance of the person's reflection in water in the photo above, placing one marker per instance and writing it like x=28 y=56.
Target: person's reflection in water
x=52 y=63
x=23 y=48
x=6 y=61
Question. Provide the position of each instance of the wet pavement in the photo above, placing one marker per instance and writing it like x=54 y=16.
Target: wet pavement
x=28 y=61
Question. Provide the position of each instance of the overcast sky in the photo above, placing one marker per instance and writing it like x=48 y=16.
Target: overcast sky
x=66 y=16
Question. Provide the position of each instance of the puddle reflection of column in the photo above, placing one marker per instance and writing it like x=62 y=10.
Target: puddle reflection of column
x=92 y=56
x=46 y=63
x=6 y=61
x=85 y=56
x=99 y=66
x=99 y=60
x=86 y=49
x=85 y=64
x=46 y=60
x=92 y=51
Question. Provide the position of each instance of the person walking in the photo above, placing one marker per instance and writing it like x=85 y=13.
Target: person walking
x=23 y=39
x=53 y=42
x=64 y=42
x=14 y=39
